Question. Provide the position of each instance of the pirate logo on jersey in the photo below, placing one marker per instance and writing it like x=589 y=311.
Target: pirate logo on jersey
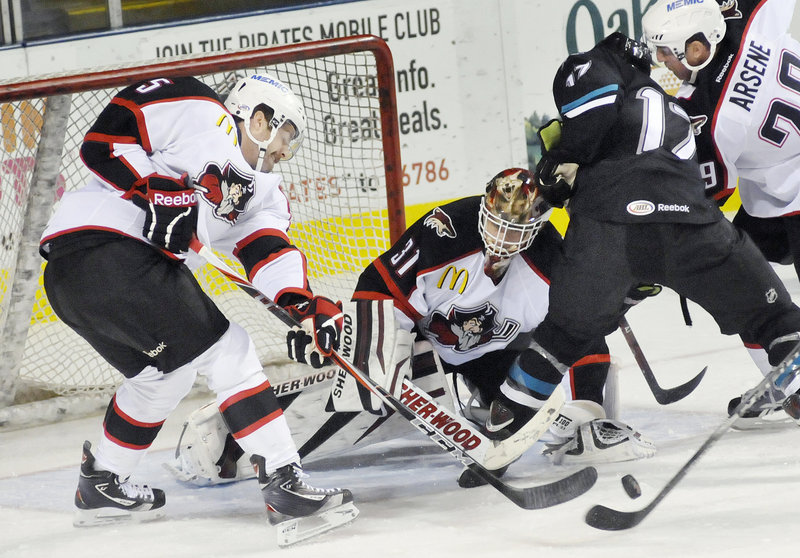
x=465 y=329
x=227 y=190
x=440 y=222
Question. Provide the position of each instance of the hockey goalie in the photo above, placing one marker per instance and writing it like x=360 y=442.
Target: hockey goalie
x=449 y=307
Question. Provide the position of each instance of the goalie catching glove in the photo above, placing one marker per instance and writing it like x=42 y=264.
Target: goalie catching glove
x=170 y=207
x=555 y=180
x=320 y=330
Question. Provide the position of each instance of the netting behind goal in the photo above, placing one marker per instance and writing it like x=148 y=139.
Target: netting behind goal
x=344 y=188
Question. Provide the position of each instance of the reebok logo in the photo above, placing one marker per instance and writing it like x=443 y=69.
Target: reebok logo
x=157 y=351
x=673 y=207
x=178 y=199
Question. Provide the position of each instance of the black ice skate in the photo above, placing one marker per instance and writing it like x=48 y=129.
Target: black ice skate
x=102 y=498
x=506 y=417
x=300 y=511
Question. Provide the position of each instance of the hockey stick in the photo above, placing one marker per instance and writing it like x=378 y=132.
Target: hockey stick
x=607 y=519
x=664 y=396
x=446 y=433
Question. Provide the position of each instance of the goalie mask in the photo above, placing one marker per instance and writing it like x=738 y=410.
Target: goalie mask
x=262 y=89
x=672 y=26
x=511 y=214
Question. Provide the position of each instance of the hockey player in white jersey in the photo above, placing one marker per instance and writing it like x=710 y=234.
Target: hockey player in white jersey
x=740 y=68
x=170 y=161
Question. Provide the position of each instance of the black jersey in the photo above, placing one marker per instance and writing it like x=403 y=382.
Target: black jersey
x=634 y=144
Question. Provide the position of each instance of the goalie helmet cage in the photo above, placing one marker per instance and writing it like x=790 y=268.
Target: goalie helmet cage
x=344 y=187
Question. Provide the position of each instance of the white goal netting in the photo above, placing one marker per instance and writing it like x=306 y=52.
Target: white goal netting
x=344 y=188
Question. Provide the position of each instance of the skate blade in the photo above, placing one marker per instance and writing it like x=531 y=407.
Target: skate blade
x=114 y=516
x=303 y=528
x=771 y=421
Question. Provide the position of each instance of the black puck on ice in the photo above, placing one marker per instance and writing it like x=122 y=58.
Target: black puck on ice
x=631 y=486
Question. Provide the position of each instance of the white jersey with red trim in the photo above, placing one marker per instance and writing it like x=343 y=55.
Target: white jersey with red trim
x=751 y=95
x=170 y=127
x=435 y=275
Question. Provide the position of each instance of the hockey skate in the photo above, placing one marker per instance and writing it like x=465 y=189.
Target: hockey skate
x=600 y=441
x=297 y=510
x=768 y=412
x=103 y=498
x=506 y=417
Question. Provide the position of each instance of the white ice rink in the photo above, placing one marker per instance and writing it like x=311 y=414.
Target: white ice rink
x=740 y=500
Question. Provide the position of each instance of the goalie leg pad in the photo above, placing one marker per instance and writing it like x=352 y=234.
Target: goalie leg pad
x=601 y=441
x=373 y=344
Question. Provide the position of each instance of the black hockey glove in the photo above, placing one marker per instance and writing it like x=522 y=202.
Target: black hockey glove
x=639 y=293
x=170 y=208
x=553 y=179
x=321 y=320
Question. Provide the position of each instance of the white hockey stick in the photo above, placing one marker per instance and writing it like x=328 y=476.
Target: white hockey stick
x=459 y=438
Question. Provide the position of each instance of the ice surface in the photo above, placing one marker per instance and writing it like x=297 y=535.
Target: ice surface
x=741 y=498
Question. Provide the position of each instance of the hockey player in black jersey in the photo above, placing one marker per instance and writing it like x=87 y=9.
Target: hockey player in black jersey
x=738 y=62
x=169 y=160
x=623 y=161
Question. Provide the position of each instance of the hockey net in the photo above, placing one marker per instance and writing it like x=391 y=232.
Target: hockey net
x=344 y=186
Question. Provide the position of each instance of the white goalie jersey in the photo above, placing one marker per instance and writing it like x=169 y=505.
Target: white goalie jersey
x=435 y=276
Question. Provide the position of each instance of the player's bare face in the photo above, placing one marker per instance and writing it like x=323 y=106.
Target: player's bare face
x=665 y=55
x=279 y=147
x=697 y=52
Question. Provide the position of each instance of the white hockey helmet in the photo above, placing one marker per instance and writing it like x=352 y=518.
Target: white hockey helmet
x=671 y=23
x=263 y=89
x=511 y=213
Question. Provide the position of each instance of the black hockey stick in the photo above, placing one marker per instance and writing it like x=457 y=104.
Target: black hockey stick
x=664 y=396
x=607 y=519
x=529 y=498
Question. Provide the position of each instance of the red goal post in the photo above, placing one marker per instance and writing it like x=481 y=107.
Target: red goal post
x=344 y=185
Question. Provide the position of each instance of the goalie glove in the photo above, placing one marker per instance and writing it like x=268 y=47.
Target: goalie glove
x=170 y=208
x=320 y=330
x=554 y=180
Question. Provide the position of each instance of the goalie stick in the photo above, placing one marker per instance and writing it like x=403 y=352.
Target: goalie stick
x=607 y=519
x=664 y=396
x=529 y=498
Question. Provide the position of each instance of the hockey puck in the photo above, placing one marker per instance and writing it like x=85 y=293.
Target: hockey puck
x=631 y=486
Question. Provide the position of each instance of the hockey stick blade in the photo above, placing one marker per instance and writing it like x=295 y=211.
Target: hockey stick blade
x=608 y=519
x=664 y=396
x=545 y=495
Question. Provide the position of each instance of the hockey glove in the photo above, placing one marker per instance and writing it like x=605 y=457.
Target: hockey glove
x=321 y=326
x=554 y=180
x=639 y=293
x=170 y=208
